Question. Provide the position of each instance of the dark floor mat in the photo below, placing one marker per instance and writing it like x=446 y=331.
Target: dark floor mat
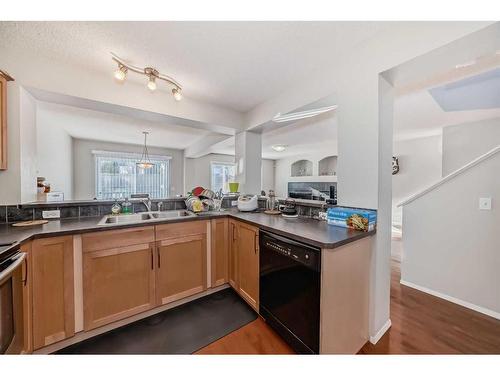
x=181 y=330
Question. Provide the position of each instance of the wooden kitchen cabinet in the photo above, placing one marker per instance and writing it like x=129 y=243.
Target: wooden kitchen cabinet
x=4 y=78
x=233 y=254
x=52 y=287
x=244 y=261
x=220 y=251
x=248 y=263
x=118 y=275
x=181 y=260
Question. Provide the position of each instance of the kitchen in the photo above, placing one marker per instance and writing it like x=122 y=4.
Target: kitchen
x=147 y=214
x=221 y=238
x=192 y=218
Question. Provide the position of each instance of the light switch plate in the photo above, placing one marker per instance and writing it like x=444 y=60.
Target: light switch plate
x=52 y=214
x=485 y=203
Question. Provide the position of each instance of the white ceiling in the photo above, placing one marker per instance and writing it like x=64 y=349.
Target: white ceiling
x=417 y=114
x=87 y=124
x=233 y=64
x=313 y=134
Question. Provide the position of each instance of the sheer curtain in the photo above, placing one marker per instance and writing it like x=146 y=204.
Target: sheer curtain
x=117 y=175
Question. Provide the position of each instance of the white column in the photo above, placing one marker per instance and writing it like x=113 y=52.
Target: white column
x=248 y=158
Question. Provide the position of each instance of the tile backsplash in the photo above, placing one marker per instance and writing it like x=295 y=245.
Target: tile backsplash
x=73 y=210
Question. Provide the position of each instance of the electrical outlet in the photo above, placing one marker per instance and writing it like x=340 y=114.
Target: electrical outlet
x=485 y=203
x=52 y=214
x=234 y=203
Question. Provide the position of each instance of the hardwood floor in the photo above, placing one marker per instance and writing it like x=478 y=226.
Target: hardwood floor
x=254 y=338
x=424 y=324
x=421 y=324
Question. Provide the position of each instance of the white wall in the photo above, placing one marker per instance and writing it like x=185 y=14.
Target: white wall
x=54 y=151
x=28 y=147
x=464 y=142
x=354 y=81
x=197 y=171
x=84 y=168
x=459 y=254
x=420 y=167
x=268 y=171
x=283 y=168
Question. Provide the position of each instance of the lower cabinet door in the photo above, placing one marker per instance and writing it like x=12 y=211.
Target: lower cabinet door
x=233 y=254
x=117 y=283
x=220 y=251
x=248 y=264
x=182 y=268
x=52 y=290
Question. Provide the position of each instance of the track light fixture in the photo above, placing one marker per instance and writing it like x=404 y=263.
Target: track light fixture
x=152 y=74
x=121 y=73
x=177 y=94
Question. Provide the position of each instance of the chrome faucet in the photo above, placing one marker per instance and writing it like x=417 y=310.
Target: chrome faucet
x=147 y=203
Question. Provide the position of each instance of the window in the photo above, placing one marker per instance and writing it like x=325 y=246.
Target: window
x=221 y=175
x=117 y=175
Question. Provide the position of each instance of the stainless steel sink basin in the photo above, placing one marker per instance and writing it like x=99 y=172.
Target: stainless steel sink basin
x=125 y=219
x=171 y=214
x=144 y=217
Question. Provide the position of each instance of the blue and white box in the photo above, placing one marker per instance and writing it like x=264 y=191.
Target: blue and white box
x=353 y=218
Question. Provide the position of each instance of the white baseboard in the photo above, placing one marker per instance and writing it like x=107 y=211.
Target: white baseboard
x=482 y=310
x=374 y=339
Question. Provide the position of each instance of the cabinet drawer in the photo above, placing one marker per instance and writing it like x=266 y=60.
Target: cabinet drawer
x=117 y=238
x=174 y=230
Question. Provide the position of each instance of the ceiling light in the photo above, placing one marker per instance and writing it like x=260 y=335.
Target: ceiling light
x=121 y=73
x=145 y=162
x=278 y=148
x=152 y=74
x=302 y=115
x=177 y=94
x=151 y=83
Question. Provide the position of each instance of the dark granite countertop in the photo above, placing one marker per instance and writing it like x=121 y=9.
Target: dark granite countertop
x=310 y=231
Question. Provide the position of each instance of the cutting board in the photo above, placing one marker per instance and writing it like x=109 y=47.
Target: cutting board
x=30 y=223
x=272 y=212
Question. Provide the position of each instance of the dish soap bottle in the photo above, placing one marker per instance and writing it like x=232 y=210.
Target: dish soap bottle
x=116 y=208
x=126 y=207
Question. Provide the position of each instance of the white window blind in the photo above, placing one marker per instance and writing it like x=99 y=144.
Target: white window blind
x=221 y=174
x=117 y=175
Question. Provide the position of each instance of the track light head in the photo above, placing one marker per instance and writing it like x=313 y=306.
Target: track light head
x=151 y=83
x=176 y=92
x=121 y=73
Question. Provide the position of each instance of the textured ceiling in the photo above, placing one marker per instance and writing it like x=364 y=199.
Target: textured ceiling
x=233 y=64
x=87 y=124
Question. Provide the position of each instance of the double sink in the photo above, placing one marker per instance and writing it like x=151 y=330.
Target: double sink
x=144 y=217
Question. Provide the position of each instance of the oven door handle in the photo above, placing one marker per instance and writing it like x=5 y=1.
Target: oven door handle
x=8 y=271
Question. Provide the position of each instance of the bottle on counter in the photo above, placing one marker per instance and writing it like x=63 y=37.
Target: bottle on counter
x=116 y=208
x=126 y=207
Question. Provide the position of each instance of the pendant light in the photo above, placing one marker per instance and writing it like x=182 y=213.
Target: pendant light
x=145 y=162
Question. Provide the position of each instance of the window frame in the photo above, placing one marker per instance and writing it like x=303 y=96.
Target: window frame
x=226 y=163
x=132 y=155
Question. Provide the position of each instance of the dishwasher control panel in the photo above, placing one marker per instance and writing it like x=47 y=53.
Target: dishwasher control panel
x=297 y=251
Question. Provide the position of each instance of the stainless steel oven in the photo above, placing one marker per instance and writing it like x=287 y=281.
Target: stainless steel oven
x=11 y=302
